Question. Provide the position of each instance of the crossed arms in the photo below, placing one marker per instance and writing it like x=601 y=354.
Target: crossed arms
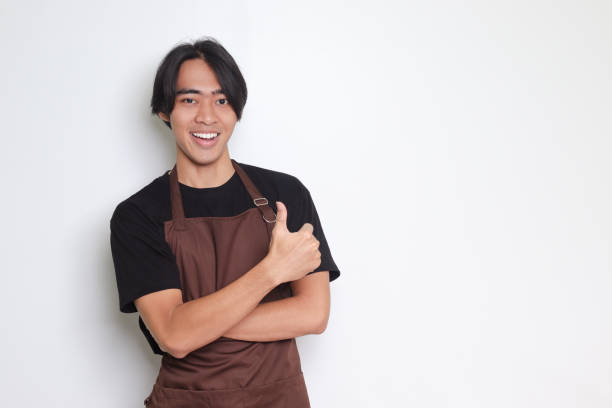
x=306 y=312
x=235 y=312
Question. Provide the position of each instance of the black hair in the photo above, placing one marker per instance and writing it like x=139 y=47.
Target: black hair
x=220 y=61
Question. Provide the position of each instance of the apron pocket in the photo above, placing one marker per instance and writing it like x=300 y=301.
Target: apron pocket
x=285 y=393
x=168 y=397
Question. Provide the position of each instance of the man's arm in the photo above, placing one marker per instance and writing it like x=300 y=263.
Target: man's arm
x=179 y=328
x=306 y=312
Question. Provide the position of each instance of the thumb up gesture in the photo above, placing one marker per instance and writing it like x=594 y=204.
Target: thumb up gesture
x=291 y=255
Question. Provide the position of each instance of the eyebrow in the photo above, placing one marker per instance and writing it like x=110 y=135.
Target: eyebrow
x=197 y=91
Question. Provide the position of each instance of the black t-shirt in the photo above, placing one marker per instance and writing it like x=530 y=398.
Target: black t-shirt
x=144 y=262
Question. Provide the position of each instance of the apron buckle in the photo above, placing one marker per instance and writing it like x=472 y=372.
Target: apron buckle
x=265 y=201
x=269 y=221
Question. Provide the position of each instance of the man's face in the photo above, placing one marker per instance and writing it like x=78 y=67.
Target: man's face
x=200 y=108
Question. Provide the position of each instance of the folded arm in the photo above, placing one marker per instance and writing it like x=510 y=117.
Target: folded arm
x=306 y=312
x=179 y=328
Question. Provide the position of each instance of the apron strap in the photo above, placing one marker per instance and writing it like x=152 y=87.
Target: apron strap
x=261 y=202
x=175 y=196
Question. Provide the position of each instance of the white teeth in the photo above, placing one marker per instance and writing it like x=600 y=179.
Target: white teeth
x=205 y=135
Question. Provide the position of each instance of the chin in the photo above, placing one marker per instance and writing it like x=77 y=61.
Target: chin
x=205 y=160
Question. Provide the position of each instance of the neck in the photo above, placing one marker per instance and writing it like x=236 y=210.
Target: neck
x=205 y=175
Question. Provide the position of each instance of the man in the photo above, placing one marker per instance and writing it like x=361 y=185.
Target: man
x=226 y=263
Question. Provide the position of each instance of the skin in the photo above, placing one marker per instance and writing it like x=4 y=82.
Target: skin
x=234 y=311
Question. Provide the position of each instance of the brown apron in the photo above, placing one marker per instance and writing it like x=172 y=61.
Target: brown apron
x=212 y=252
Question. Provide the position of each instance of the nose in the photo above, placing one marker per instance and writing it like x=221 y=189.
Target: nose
x=206 y=113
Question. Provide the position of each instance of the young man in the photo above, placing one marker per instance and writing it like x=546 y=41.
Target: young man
x=226 y=263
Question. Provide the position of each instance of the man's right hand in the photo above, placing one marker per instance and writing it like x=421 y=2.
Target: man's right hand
x=291 y=255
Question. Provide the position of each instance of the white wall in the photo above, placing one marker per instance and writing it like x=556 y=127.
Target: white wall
x=458 y=155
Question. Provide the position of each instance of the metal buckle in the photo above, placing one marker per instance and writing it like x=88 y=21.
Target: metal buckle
x=269 y=222
x=261 y=198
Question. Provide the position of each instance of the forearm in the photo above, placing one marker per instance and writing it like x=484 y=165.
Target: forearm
x=200 y=321
x=276 y=320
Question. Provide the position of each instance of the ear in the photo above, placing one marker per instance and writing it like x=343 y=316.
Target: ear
x=163 y=117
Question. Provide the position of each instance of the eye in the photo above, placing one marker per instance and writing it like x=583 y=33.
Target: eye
x=187 y=100
x=222 y=101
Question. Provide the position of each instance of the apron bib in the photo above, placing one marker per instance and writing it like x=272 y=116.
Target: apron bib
x=212 y=252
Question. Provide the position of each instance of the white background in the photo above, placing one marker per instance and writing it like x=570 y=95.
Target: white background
x=458 y=154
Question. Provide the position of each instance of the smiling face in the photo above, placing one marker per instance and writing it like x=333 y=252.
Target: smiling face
x=202 y=118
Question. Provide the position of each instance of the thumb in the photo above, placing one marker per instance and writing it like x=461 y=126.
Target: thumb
x=281 y=215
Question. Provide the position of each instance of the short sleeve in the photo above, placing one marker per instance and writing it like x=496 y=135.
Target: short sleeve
x=143 y=260
x=305 y=211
